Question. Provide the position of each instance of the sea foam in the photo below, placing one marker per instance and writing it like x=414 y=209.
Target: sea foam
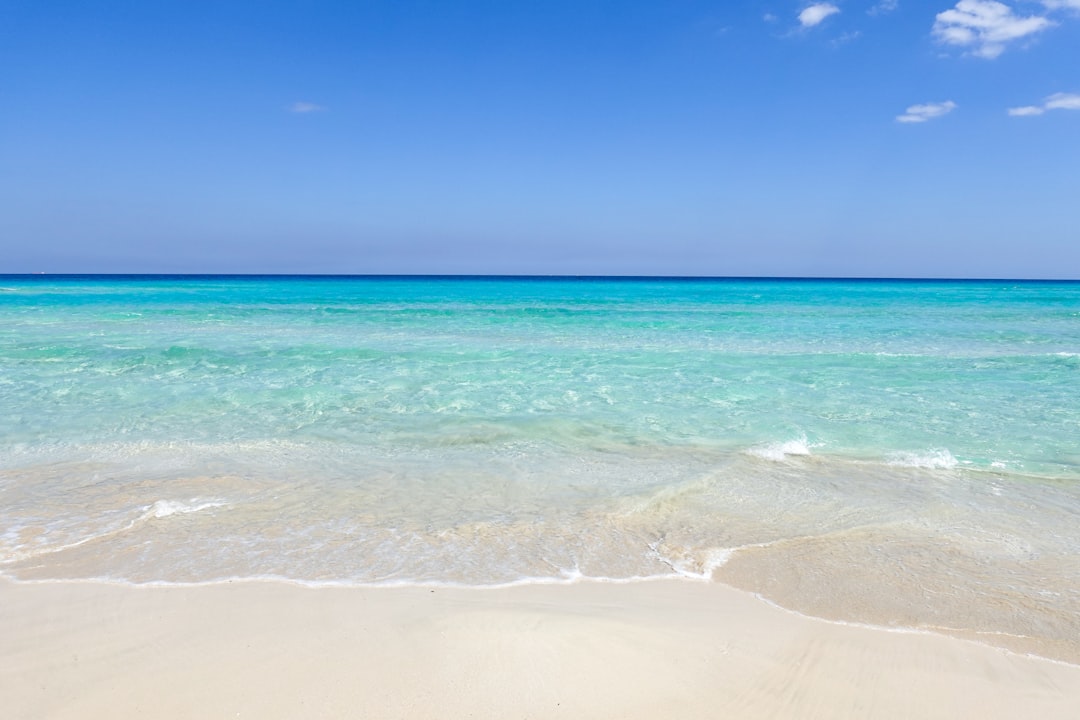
x=780 y=451
x=936 y=459
x=165 y=508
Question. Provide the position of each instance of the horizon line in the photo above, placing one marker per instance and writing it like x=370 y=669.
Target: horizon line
x=521 y=276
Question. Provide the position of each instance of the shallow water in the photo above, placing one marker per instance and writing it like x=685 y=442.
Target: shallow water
x=902 y=453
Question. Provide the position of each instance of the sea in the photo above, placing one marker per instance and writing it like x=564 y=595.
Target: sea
x=902 y=454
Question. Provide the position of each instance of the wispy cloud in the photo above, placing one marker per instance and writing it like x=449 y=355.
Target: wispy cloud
x=306 y=107
x=885 y=7
x=929 y=111
x=846 y=38
x=1027 y=110
x=1063 y=101
x=1059 y=4
x=816 y=13
x=1057 y=101
x=985 y=26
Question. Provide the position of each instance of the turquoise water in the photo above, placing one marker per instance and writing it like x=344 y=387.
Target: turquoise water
x=483 y=431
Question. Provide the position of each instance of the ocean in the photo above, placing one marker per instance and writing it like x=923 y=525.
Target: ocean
x=899 y=453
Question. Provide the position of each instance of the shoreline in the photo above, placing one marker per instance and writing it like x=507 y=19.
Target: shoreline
x=1056 y=650
x=660 y=648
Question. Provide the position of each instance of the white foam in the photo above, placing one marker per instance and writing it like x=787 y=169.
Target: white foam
x=778 y=452
x=714 y=559
x=159 y=509
x=936 y=459
x=165 y=508
x=24 y=554
x=564 y=578
x=693 y=568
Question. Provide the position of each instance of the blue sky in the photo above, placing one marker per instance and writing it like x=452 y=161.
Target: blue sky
x=851 y=138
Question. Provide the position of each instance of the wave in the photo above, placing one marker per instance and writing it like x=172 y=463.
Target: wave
x=936 y=459
x=695 y=569
x=686 y=564
x=780 y=451
x=565 y=577
x=165 y=508
x=155 y=511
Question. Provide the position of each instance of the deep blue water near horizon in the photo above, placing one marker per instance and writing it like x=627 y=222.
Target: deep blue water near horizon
x=895 y=451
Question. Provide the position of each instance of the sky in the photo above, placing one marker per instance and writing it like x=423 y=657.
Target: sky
x=883 y=138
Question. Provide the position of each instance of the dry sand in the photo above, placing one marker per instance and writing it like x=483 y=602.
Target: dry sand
x=590 y=650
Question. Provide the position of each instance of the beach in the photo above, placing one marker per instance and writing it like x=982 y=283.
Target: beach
x=538 y=497
x=597 y=650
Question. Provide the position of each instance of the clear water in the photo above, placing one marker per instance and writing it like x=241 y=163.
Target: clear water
x=893 y=452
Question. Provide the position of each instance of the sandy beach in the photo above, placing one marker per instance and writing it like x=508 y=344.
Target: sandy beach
x=585 y=650
x=538 y=498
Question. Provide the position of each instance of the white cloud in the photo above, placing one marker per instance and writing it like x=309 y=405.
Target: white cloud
x=1057 y=101
x=985 y=26
x=846 y=38
x=922 y=113
x=770 y=18
x=1063 y=101
x=305 y=107
x=816 y=13
x=887 y=6
x=1026 y=110
x=1058 y=4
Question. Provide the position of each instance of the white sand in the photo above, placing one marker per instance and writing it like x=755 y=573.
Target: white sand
x=647 y=650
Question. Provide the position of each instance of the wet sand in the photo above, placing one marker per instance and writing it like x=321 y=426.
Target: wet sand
x=586 y=650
